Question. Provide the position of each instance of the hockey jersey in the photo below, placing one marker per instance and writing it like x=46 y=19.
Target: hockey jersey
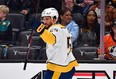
x=109 y=46
x=59 y=49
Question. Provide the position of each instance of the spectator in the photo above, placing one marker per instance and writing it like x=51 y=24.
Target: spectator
x=109 y=11
x=66 y=20
x=108 y=16
x=51 y=3
x=84 y=5
x=114 y=13
x=77 y=6
x=90 y=32
x=75 y=9
x=5 y=30
x=110 y=43
x=20 y=6
x=97 y=9
x=68 y=4
x=87 y=3
x=73 y=6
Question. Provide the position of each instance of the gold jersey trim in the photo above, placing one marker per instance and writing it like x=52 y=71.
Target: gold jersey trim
x=60 y=68
x=48 y=37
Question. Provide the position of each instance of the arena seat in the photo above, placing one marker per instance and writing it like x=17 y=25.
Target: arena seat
x=24 y=39
x=19 y=52
x=17 y=22
x=86 y=53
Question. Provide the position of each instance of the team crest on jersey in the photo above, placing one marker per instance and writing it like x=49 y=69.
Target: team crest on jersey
x=54 y=30
x=4 y=23
x=112 y=50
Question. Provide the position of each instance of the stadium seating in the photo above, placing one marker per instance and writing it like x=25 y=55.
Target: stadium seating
x=17 y=22
x=24 y=39
x=19 y=52
x=85 y=53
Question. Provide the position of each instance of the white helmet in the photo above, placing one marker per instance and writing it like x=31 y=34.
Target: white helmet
x=52 y=12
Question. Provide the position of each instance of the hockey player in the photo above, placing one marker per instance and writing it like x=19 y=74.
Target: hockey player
x=61 y=62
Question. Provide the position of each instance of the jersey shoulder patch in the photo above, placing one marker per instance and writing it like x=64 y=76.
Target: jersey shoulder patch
x=56 y=28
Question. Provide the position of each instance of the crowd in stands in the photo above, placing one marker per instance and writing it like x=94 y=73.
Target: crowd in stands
x=81 y=18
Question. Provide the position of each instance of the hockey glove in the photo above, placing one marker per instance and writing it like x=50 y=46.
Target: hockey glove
x=41 y=28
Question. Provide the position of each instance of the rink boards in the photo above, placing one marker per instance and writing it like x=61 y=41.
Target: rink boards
x=83 y=71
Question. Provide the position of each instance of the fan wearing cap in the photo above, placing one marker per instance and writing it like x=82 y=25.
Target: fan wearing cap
x=110 y=43
x=61 y=62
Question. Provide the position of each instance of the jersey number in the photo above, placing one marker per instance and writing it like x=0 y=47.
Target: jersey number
x=69 y=44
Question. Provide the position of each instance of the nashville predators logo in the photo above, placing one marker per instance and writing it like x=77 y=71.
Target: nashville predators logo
x=54 y=30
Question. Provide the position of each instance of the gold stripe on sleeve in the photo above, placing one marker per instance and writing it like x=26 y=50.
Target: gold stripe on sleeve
x=48 y=37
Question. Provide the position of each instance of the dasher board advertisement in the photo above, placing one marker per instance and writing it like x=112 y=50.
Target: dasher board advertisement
x=83 y=71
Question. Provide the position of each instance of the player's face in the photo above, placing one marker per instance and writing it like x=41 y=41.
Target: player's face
x=47 y=21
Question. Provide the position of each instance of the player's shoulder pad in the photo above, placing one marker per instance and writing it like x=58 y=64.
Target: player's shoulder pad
x=56 y=28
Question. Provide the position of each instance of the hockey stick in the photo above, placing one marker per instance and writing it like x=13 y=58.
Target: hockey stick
x=28 y=50
x=30 y=37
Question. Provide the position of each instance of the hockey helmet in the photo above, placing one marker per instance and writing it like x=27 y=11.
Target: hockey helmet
x=52 y=12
